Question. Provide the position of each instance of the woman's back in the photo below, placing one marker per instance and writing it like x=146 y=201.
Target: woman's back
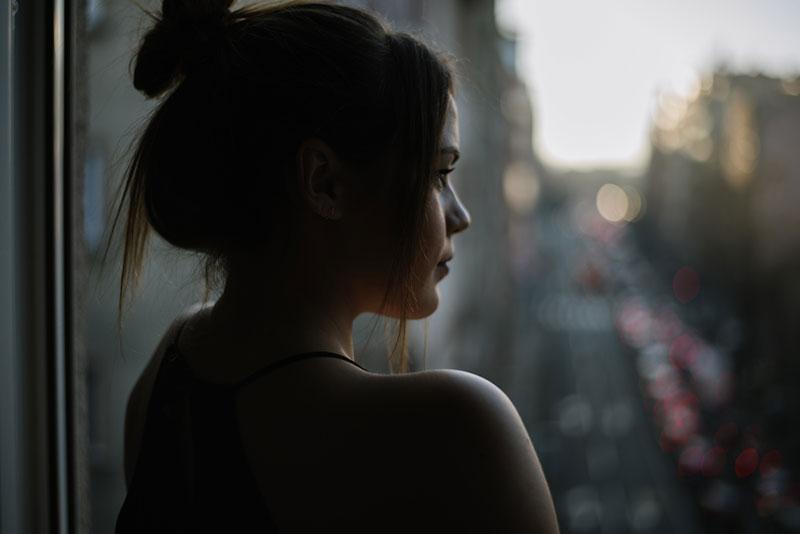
x=328 y=446
x=191 y=472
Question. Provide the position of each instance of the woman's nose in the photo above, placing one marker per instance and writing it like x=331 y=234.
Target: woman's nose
x=458 y=218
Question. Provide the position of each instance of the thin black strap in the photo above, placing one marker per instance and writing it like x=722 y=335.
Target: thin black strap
x=291 y=359
x=173 y=354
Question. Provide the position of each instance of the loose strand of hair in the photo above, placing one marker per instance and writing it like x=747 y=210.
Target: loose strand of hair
x=130 y=192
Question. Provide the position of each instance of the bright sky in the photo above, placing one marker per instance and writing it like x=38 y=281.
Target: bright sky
x=595 y=69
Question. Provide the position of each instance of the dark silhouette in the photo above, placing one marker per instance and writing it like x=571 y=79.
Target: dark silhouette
x=304 y=150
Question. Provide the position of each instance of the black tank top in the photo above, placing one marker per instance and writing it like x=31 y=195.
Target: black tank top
x=191 y=473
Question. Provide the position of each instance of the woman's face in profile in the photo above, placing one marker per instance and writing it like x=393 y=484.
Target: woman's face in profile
x=371 y=235
x=445 y=216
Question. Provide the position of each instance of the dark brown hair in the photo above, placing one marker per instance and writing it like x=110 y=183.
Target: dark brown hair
x=240 y=91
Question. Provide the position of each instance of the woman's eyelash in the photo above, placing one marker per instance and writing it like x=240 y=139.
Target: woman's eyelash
x=442 y=175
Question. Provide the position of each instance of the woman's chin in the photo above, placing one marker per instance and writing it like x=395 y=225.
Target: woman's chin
x=427 y=303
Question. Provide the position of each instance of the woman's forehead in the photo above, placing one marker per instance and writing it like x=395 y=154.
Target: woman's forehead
x=450 y=135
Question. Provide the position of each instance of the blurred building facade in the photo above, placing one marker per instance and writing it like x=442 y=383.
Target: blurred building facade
x=721 y=187
x=722 y=183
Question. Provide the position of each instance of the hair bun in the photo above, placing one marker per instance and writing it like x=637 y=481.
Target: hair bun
x=184 y=35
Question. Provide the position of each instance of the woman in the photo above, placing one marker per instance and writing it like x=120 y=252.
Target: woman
x=304 y=150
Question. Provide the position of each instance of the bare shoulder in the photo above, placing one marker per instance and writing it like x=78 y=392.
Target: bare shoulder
x=458 y=400
x=459 y=391
x=470 y=402
x=445 y=446
x=493 y=465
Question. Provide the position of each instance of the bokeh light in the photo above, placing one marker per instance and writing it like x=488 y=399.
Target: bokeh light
x=690 y=461
x=746 y=462
x=686 y=285
x=683 y=351
x=714 y=462
x=636 y=204
x=612 y=203
x=520 y=187
x=770 y=462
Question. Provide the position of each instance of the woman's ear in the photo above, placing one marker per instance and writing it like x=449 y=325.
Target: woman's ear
x=319 y=178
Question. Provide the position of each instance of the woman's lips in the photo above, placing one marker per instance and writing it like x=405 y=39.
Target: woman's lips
x=442 y=267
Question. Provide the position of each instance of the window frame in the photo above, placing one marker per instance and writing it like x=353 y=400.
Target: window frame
x=42 y=465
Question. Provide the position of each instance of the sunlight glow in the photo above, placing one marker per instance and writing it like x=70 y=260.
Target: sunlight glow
x=597 y=70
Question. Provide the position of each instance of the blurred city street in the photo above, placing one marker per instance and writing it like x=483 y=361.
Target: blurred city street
x=629 y=407
x=577 y=389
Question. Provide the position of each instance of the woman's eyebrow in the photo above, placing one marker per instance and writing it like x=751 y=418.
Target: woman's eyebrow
x=452 y=150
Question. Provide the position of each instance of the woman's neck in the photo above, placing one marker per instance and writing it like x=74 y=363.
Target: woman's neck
x=284 y=315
